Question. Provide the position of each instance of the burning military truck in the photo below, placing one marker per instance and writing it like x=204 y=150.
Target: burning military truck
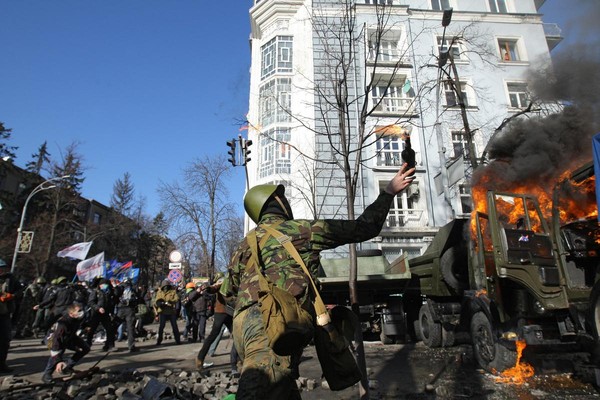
x=523 y=271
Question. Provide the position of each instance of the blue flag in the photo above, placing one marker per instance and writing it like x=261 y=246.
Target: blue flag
x=596 y=146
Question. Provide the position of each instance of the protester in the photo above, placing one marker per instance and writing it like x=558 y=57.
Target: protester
x=200 y=303
x=166 y=304
x=40 y=313
x=58 y=300
x=223 y=317
x=62 y=338
x=102 y=305
x=27 y=313
x=126 y=309
x=266 y=375
x=8 y=291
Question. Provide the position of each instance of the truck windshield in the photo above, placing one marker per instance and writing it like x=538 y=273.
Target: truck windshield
x=518 y=212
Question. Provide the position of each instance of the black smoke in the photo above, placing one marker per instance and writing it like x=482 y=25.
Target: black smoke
x=537 y=149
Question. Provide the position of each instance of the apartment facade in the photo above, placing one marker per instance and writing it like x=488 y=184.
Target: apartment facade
x=372 y=68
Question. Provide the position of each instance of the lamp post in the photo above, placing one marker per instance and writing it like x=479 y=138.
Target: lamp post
x=47 y=184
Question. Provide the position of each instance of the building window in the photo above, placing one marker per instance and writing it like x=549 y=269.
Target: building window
x=452 y=43
x=498 y=6
x=97 y=218
x=518 y=95
x=460 y=145
x=275 y=101
x=275 y=154
x=440 y=4
x=451 y=98
x=276 y=56
x=393 y=98
x=389 y=149
x=385 y=48
x=466 y=201
x=403 y=209
x=509 y=50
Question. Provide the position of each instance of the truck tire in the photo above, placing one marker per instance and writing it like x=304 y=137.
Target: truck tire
x=448 y=336
x=453 y=265
x=490 y=355
x=429 y=330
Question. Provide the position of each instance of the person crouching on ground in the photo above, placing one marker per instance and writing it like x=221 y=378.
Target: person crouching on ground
x=63 y=338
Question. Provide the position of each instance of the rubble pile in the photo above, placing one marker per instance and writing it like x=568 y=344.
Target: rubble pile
x=132 y=385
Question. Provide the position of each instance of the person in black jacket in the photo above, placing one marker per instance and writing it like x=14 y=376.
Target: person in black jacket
x=200 y=302
x=57 y=301
x=102 y=305
x=63 y=338
x=8 y=292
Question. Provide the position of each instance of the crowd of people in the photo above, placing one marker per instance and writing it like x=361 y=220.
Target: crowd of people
x=74 y=315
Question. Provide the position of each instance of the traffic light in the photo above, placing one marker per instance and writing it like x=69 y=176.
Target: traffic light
x=231 y=152
x=246 y=151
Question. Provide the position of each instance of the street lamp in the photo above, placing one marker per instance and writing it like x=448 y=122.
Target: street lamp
x=47 y=184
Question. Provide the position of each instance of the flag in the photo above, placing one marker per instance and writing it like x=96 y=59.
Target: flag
x=78 y=251
x=91 y=268
x=131 y=273
x=596 y=146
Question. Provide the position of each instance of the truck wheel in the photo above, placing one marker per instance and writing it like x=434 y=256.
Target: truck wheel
x=452 y=264
x=490 y=355
x=430 y=331
x=594 y=318
x=385 y=339
x=448 y=336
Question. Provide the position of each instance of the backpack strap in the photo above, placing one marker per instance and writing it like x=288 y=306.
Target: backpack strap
x=323 y=317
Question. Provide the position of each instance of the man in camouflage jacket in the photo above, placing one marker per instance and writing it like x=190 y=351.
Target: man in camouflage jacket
x=266 y=375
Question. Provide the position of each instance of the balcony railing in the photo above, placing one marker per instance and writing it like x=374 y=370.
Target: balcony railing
x=393 y=105
x=405 y=218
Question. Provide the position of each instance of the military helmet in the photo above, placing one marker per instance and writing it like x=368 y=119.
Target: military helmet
x=257 y=197
x=61 y=279
x=40 y=280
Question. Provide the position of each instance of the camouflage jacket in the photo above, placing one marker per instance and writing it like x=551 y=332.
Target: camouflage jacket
x=309 y=238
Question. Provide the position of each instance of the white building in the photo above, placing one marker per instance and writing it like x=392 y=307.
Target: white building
x=296 y=58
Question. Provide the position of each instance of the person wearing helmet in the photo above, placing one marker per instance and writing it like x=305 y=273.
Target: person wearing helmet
x=8 y=290
x=166 y=304
x=27 y=313
x=265 y=374
x=197 y=302
x=102 y=301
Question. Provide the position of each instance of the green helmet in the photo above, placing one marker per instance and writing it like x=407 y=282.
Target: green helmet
x=41 y=280
x=258 y=196
x=61 y=279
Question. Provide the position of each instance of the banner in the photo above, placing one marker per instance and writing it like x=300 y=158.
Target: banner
x=78 y=251
x=91 y=268
x=131 y=273
x=596 y=146
x=117 y=268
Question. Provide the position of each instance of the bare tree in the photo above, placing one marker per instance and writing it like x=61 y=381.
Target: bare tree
x=198 y=206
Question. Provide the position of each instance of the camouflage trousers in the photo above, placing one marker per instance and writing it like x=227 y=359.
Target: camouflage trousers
x=265 y=375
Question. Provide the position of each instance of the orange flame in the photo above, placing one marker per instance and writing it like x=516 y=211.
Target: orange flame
x=576 y=200
x=520 y=372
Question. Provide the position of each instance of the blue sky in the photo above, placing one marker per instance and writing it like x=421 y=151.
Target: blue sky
x=145 y=86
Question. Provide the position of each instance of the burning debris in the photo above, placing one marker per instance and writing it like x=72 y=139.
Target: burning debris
x=520 y=372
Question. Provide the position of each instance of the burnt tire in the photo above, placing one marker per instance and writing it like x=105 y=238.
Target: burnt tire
x=454 y=268
x=429 y=330
x=489 y=354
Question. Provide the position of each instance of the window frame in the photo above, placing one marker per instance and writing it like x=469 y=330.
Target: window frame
x=275 y=155
x=497 y=4
x=459 y=55
x=439 y=6
x=389 y=149
x=274 y=100
x=273 y=52
x=519 y=55
x=467 y=94
x=518 y=94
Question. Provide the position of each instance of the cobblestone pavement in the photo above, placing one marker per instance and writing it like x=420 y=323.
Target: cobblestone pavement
x=410 y=371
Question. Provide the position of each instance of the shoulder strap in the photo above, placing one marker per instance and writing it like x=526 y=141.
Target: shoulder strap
x=254 y=262
x=320 y=309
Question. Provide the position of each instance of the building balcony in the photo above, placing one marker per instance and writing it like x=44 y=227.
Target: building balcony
x=393 y=105
x=404 y=218
x=553 y=35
